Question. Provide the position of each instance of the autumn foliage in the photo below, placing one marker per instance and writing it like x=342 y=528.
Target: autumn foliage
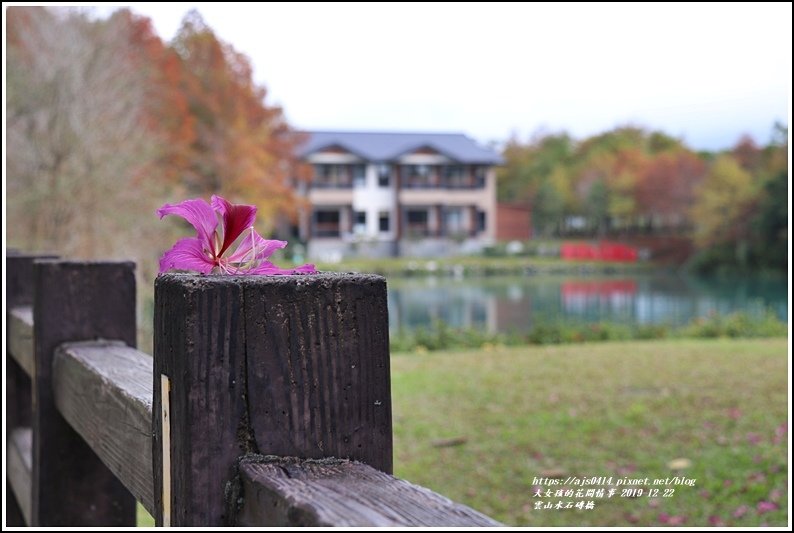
x=107 y=122
x=629 y=183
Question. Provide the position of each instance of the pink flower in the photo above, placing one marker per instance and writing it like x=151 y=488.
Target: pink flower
x=676 y=520
x=716 y=521
x=740 y=511
x=207 y=251
x=671 y=520
x=765 y=507
x=780 y=432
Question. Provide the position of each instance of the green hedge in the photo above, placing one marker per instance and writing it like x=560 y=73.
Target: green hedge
x=441 y=336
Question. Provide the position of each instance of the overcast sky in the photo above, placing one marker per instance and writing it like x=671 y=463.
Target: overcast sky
x=706 y=73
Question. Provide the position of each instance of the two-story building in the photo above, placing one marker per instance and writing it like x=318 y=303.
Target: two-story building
x=386 y=194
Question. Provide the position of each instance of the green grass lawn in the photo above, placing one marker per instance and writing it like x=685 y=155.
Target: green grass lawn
x=620 y=409
x=608 y=409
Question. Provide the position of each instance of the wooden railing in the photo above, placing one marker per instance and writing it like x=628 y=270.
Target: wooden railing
x=267 y=402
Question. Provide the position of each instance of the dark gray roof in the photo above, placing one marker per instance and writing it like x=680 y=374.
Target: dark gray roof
x=382 y=146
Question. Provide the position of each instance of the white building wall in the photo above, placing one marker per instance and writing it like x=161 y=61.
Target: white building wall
x=424 y=159
x=331 y=158
x=373 y=199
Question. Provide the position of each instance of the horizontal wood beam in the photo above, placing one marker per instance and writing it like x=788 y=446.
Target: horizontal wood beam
x=333 y=492
x=19 y=467
x=104 y=390
x=20 y=336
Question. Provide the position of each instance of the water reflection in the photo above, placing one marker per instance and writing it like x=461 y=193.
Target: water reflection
x=515 y=304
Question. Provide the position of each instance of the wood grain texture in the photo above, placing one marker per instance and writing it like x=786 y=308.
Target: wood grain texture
x=20 y=336
x=19 y=467
x=20 y=278
x=17 y=407
x=104 y=390
x=199 y=344
x=20 y=288
x=318 y=367
x=76 y=301
x=288 y=492
x=283 y=365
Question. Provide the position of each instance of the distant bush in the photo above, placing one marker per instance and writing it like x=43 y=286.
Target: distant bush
x=734 y=326
x=533 y=248
x=441 y=336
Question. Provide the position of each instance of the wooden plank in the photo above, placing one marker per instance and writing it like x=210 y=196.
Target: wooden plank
x=165 y=417
x=20 y=336
x=18 y=463
x=280 y=365
x=286 y=492
x=104 y=390
x=18 y=388
x=17 y=406
x=199 y=346
x=76 y=301
x=20 y=282
x=318 y=367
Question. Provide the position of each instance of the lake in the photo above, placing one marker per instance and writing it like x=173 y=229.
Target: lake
x=502 y=304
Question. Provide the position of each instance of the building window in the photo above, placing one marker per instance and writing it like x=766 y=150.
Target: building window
x=336 y=176
x=360 y=222
x=384 y=175
x=417 y=176
x=331 y=176
x=454 y=177
x=416 y=221
x=453 y=221
x=326 y=223
x=383 y=221
x=481 y=219
x=359 y=176
x=479 y=176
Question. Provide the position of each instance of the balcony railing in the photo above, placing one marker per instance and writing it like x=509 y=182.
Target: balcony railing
x=417 y=230
x=326 y=229
x=445 y=185
x=332 y=185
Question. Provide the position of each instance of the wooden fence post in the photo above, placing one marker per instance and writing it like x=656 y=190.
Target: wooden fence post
x=274 y=365
x=76 y=301
x=19 y=292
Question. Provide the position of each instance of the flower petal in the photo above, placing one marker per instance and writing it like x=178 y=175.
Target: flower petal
x=253 y=242
x=200 y=215
x=187 y=254
x=268 y=268
x=236 y=219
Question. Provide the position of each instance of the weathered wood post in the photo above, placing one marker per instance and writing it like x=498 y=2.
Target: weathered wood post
x=274 y=365
x=19 y=292
x=76 y=301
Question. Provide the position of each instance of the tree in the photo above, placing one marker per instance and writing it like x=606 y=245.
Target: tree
x=105 y=123
x=770 y=226
x=747 y=153
x=665 y=191
x=547 y=208
x=240 y=147
x=597 y=206
x=536 y=174
x=78 y=151
x=724 y=201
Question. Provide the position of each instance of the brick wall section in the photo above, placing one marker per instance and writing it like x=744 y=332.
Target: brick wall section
x=513 y=222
